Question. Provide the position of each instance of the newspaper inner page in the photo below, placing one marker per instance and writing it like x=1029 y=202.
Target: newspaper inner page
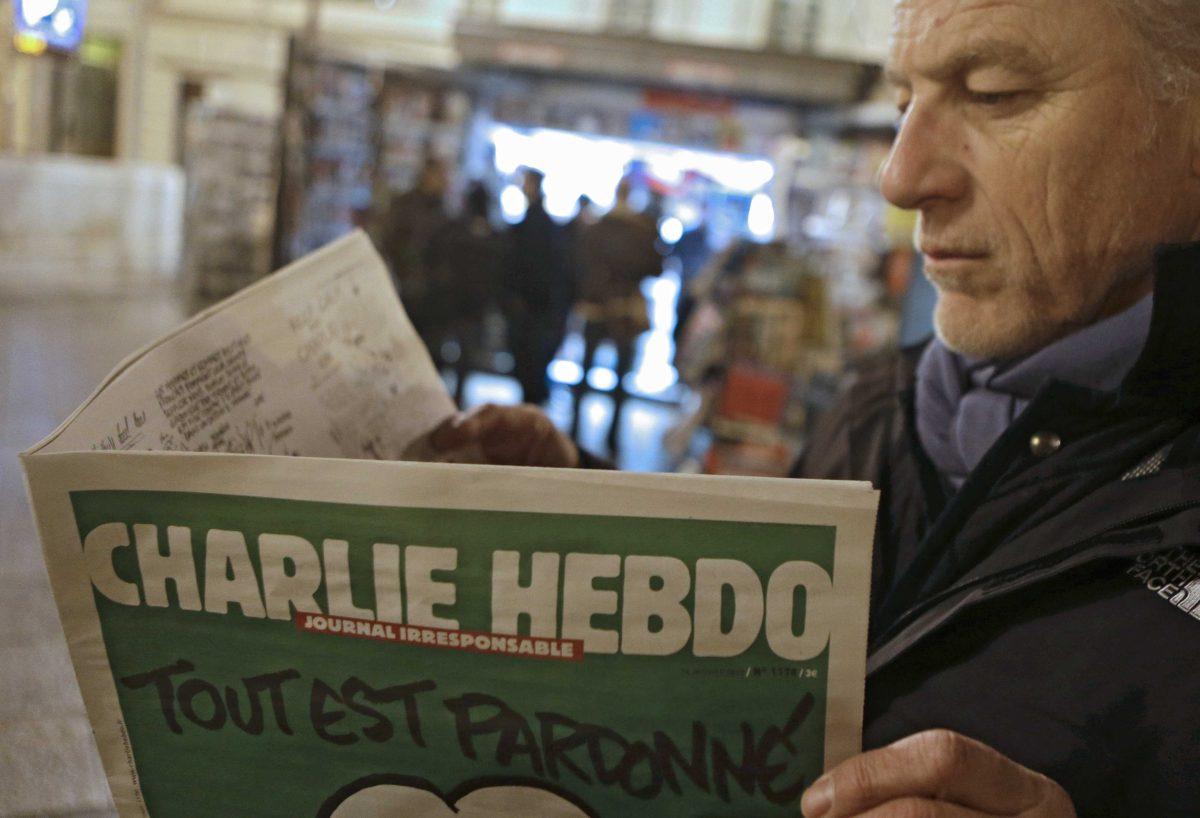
x=318 y=360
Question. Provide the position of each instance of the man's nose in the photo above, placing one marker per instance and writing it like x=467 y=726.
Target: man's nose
x=925 y=164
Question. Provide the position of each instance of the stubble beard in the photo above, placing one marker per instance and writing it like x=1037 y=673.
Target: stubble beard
x=1012 y=324
x=988 y=315
x=994 y=332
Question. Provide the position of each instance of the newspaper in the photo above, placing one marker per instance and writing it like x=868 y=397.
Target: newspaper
x=270 y=614
x=318 y=360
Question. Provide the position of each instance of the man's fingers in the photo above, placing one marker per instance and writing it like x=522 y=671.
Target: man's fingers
x=938 y=765
x=554 y=449
x=460 y=429
x=482 y=423
x=508 y=435
x=920 y=808
x=511 y=449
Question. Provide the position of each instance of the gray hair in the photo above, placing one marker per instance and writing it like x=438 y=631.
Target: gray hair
x=1170 y=30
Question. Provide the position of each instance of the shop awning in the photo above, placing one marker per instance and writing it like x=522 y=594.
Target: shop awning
x=762 y=74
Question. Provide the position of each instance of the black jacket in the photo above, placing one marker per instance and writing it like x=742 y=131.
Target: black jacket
x=1049 y=607
x=539 y=272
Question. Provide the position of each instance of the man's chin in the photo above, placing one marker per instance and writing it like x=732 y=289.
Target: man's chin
x=987 y=330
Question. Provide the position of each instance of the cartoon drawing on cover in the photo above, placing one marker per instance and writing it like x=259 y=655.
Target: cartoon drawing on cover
x=401 y=796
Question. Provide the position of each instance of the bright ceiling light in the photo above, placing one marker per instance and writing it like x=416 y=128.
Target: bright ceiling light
x=34 y=11
x=513 y=204
x=602 y=379
x=63 y=21
x=568 y=372
x=671 y=230
x=761 y=219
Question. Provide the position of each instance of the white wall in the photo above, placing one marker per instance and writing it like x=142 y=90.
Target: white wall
x=85 y=226
x=730 y=23
x=854 y=29
x=238 y=50
x=7 y=107
x=573 y=14
x=241 y=58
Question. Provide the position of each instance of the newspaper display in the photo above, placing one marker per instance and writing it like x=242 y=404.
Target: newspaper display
x=270 y=614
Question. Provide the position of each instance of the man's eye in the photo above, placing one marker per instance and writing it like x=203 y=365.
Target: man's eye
x=992 y=98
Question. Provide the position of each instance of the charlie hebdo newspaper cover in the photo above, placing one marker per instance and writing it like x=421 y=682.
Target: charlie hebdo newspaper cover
x=269 y=614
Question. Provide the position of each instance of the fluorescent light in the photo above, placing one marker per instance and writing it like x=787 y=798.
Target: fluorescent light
x=761 y=219
x=577 y=164
x=602 y=379
x=567 y=372
x=34 y=11
x=62 y=21
x=671 y=230
x=513 y=204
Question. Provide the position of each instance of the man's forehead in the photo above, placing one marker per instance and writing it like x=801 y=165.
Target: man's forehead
x=919 y=17
x=940 y=38
x=959 y=58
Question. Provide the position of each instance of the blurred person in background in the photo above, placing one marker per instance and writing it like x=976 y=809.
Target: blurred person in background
x=466 y=264
x=615 y=255
x=539 y=287
x=691 y=253
x=1035 y=605
x=585 y=217
x=413 y=218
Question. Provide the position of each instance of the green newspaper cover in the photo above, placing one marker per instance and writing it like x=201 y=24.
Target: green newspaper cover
x=449 y=639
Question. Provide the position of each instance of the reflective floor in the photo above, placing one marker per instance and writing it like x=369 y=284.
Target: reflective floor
x=52 y=354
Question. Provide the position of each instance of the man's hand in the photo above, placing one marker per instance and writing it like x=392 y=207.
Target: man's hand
x=508 y=436
x=935 y=774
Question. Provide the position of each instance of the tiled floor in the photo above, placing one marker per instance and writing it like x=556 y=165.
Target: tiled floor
x=52 y=354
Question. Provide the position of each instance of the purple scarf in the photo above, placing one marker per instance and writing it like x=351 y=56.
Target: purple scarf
x=964 y=404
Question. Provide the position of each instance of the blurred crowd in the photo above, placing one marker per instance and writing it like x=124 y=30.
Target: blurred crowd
x=455 y=273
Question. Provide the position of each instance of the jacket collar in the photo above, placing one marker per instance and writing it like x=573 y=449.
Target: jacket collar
x=1169 y=366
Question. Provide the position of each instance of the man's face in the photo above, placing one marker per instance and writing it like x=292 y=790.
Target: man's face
x=1043 y=171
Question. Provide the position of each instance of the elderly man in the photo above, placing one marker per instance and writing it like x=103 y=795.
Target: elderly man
x=1036 y=602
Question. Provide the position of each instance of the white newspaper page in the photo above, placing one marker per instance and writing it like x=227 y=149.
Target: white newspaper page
x=318 y=360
